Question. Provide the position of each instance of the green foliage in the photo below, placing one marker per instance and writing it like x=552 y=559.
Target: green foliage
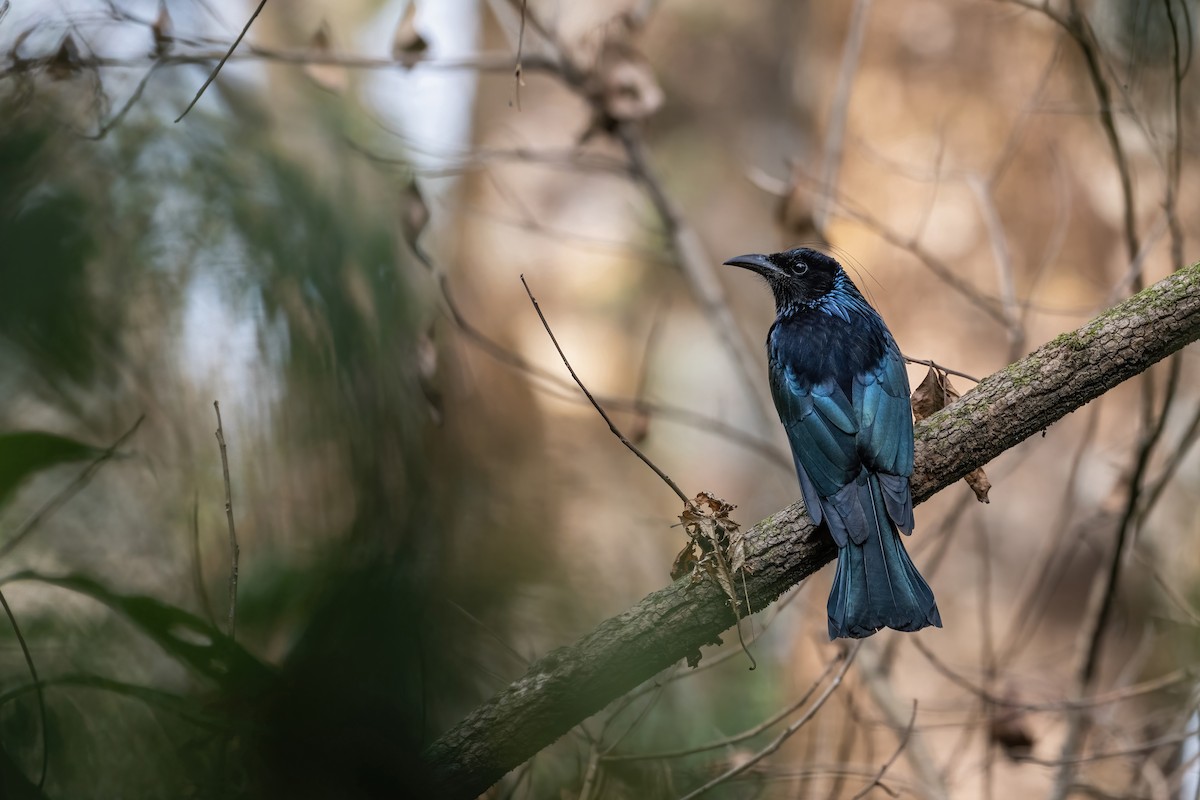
x=145 y=697
x=24 y=453
x=49 y=236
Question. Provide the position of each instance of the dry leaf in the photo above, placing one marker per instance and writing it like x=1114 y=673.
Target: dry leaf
x=408 y=45
x=65 y=63
x=685 y=563
x=162 y=30
x=930 y=396
x=706 y=520
x=980 y=485
x=1009 y=730
x=623 y=85
x=329 y=77
x=933 y=394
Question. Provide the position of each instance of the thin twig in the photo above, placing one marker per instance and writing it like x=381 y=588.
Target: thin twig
x=517 y=77
x=682 y=416
x=874 y=672
x=835 y=130
x=133 y=98
x=611 y=426
x=1170 y=679
x=212 y=76
x=197 y=564
x=69 y=491
x=749 y=733
x=878 y=779
x=37 y=687
x=483 y=626
x=589 y=775
x=784 y=735
x=697 y=267
x=234 y=550
x=1004 y=265
x=934 y=365
x=1053 y=557
x=1103 y=600
x=1175 y=160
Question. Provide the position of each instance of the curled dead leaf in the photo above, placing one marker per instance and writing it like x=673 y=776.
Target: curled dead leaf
x=1009 y=730
x=329 y=77
x=161 y=29
x=933 y=394
x=980 y=485
x=685 y=563
x=408 y=45
x=65 y=63
x=622 y=85
x=720 y=539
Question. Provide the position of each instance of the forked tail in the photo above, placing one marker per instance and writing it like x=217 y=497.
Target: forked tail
x=876 y=584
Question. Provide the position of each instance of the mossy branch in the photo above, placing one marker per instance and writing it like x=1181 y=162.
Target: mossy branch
x=571 y=683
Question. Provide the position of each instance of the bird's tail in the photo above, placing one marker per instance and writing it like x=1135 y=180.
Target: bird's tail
x=876 y=584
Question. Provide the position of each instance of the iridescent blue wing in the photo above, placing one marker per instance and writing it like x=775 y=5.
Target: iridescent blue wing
x=885 y=433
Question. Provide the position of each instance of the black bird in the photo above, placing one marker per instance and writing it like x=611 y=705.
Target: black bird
x=841 y=390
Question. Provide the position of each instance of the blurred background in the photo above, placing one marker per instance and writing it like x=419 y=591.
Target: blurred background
x=329 y=244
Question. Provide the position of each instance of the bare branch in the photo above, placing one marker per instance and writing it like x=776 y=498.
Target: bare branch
x=611 y=425
x=213 y=75
x=785 y=734
x=878 y=779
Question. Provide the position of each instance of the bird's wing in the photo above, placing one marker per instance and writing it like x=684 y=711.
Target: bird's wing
x=822 y=429
x=885 y=433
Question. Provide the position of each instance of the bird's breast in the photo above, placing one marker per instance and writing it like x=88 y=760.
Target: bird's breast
x=816 y=347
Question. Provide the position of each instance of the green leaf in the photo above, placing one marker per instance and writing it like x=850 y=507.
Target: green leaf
x=24 y=453
x=182 y=635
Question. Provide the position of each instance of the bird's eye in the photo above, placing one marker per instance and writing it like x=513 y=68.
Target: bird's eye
x=800 y=268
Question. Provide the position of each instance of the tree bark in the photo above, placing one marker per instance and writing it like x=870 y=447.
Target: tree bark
x=569 y=684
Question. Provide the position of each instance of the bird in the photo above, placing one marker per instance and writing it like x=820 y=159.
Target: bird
x=841 y=389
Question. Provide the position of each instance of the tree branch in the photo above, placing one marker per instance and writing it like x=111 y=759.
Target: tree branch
x=571 y=683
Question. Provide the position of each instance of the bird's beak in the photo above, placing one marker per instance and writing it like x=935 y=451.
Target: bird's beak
x=754 y=262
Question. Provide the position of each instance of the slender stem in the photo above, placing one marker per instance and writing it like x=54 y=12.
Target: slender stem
x=234 y=550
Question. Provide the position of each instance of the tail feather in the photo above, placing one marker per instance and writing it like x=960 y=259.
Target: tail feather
x=876 y=584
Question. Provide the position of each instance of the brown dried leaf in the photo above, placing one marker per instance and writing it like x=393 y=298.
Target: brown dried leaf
x=408 y=45
x=685 y=563
x=1010 y=732
x=706 y=520
x=623 y=85
x=930 y=396
x=980 y=485
x=935 y=393
x=161 y=28
x=65 y=63
x=329 y=77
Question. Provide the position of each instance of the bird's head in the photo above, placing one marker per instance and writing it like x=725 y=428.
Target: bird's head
x=799 y=278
